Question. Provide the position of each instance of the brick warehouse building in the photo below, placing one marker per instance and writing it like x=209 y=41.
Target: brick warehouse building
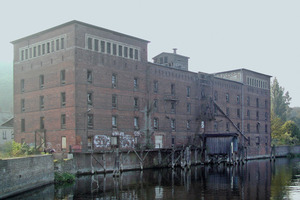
x=78 y=85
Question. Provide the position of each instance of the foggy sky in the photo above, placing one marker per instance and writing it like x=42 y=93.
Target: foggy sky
x=217 y=35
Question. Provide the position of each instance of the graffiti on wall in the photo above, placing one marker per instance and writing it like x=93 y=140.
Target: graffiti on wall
x=101 y=141
x=104 y=141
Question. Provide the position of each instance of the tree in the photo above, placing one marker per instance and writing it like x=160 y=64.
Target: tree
x=280 y=101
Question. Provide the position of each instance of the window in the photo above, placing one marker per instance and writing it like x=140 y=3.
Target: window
x=90 y=121
x=90 y=99
x=108 y=47
x=257 y=115
x=227 y=111
x=42 y=123
x=136 y=54
x=173 y=107
x=239 y=126
x=63 y=121
x=114 y=101
x=22 y=55
x=188 y=124
x=63 y=142
x=114 y=49
x=34 y=51
x=266 y=104
x=41 y=81
x=90 y=43
x=52 y=46
x=114 y=121
x=62 y=43
x=30 y=52
x=4 y=135
x=266 y=116
x=227 y=126
x=136 y=102
x=96 y=45
x=257 y=127
x=131 y=53
x=102 y=46
x=248 y=128
x=22 y=85
x=48 y=47
x=188 y=91
x=227 y=97
x=39 y=50
x=57 y=45
x=63 y=77
x=238 y=113
x=155 y=86
x=238 y=99
x=43 y=49
x=89 y=143
x=173 y=124
x=63 y=99
x=126 y=52
x=155 y=123
x=202 y=124
x=249 y=141
x=136 y=122
x=114 y=80
x=248 y=114
x=173 y=89
x=188 y=108
x=257 y=102
x=89 y=76
x=120 y=50
x=22 y=105
x=26 y=54
x=266 y=128
x=257 y=140
x=135 y=83
x=22 y=125
x=42 y=102
x=161 y=60
x=155 y=104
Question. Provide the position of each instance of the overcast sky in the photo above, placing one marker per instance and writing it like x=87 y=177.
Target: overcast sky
x=217 y=35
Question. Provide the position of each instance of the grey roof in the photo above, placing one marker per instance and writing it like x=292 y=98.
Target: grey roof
x=77 y=22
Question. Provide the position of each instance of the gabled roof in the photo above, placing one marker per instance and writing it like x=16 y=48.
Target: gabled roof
x=8 y=123
x=242 y=69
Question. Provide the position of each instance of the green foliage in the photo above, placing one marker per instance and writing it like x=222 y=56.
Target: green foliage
x=280 y=101
x=286 y=133
x=64 y=177
x=14 y=149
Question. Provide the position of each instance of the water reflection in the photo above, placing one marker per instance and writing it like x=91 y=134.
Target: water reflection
x=260 y=179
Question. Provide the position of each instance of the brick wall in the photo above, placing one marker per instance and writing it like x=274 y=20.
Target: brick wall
x=21 y=174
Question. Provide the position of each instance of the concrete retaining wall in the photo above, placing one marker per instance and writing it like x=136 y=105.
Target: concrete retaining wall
x=21 y=174
x=281 y=151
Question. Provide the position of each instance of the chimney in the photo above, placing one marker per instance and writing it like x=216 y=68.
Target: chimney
x=174 y=50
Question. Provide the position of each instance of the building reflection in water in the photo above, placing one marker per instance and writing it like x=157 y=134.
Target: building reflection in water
x=260 y=179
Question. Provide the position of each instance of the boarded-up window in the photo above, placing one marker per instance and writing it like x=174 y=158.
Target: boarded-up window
x=158 y=141
x=63 y=142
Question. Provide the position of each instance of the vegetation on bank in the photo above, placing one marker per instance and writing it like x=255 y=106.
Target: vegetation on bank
x=285 y=121
x=63 y=177
x=14 y=149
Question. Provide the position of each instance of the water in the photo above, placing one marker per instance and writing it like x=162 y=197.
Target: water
x=259 y=179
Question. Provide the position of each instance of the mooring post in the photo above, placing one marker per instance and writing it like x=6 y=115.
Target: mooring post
x=159 y=157
x=173 y=164
x=141 y=161
x=104 y=162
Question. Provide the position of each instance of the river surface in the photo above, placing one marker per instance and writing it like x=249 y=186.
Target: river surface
x=260 y=179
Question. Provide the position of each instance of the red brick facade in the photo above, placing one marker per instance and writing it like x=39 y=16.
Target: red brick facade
x=92 y=83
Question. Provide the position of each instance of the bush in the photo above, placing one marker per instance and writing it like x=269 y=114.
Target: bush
x=64 y=177
x=14 y=149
